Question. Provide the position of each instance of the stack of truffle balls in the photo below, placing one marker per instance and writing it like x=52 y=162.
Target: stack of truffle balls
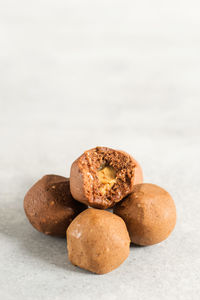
x=97 y=239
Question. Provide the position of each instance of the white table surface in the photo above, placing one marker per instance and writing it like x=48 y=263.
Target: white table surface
x=76 y=74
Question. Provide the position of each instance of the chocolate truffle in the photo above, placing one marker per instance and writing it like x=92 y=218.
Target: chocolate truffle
x=97 y=241
x=101 y=177
x=149 y=213
x=49 y=205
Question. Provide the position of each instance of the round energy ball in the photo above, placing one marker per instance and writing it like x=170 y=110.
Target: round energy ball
x=97 y=241
x=50 y=207
x=101 y=177
x=149 y=213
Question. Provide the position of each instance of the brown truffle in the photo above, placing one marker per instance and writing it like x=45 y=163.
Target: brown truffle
x=149 y=213
x=49 y=205
x=97 y=241
x=101 y=177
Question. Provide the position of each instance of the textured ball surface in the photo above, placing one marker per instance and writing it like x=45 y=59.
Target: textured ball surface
x=97 y=241
x=49 y=205
x=149 y=213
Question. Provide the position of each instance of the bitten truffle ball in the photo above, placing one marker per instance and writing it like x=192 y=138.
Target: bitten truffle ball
x=50 y=207
x=101 y=177
x=149 y=213
x=97 y=241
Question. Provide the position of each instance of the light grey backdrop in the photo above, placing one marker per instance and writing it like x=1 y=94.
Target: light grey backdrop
x=76 y=74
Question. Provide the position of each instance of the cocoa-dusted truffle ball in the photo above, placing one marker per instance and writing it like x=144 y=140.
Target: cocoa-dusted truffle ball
x=50 y=207
x=97 y=241
x=149 y=213
x=101 y=177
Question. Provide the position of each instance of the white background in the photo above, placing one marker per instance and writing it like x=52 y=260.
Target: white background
x=76 y=74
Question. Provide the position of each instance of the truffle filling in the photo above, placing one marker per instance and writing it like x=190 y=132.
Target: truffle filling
x=107 y=178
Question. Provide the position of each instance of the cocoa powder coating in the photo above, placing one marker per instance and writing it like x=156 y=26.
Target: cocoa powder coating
x=149 y=213
x=50 y=207
x=97 y=241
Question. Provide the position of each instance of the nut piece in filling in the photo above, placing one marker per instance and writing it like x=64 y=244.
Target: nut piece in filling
x=97 y=241
x=101 y=177
x=149 y=213
x=49 y=205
